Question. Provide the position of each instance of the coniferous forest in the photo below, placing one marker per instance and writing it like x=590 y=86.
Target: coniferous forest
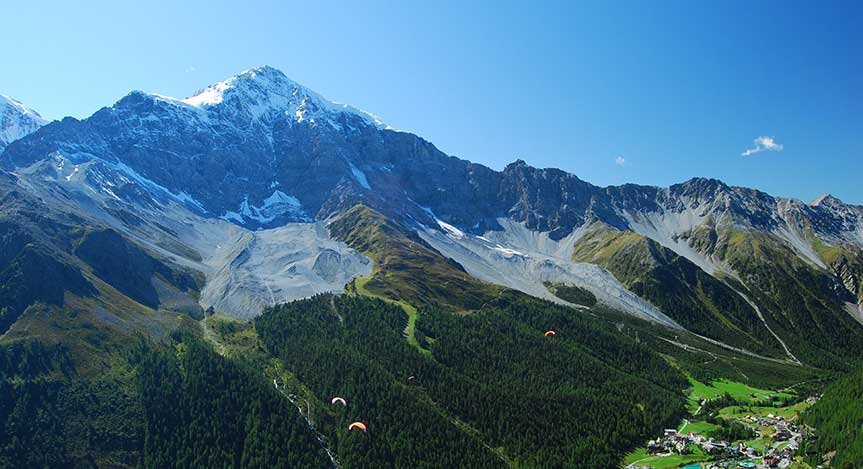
x=520 y=382
x=485 y=388
x=838 y=418
x=182 y=405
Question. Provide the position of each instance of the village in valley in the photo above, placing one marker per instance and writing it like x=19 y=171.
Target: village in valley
x=732 y=426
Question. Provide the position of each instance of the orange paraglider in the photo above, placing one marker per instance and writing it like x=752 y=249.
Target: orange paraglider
x=359 y=425
x=340 y=401
x=548 y=333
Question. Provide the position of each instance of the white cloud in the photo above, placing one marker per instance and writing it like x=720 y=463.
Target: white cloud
x=620 y=161
x=191 y=69
x=763 y=143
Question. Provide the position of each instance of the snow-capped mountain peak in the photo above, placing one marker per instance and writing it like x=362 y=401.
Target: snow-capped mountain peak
x=266 y=91
x=825 y=200
x=16 y=120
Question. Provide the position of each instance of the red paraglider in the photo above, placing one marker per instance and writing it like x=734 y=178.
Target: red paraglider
x=359 y=425
x=549 y=333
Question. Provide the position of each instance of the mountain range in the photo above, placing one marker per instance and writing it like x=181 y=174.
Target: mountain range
x=257 y=191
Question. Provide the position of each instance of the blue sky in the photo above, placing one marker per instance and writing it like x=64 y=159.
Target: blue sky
x=615 y=92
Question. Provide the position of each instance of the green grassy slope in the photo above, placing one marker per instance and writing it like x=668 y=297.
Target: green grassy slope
x=407 y=268
x=690 y=296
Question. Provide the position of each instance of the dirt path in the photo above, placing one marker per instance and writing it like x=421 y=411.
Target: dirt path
x=211 y=338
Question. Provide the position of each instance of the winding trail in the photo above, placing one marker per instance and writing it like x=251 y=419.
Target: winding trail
x=790 y=388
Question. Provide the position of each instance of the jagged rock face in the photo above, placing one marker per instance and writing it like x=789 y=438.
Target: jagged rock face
x=847 y=266
x=553 y=200
x=850 y=278
x=16 y=121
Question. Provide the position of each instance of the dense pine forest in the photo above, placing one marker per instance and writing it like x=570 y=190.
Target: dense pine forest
x=52 y=417
x=180 y=405
x=220 y=414
x=487 y=388
x=838 y=418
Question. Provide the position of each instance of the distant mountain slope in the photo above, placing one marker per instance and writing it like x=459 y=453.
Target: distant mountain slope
x=67 y=278
x=806 y=305
x=691 y=296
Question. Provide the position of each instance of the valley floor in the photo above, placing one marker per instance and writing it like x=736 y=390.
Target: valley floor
x=766 y=431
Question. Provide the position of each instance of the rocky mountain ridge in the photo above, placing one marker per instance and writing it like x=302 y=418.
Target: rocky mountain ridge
x=261 y=150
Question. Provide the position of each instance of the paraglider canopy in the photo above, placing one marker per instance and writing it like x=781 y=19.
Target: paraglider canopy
x=548 y=333
x=358 y=425
x=340 y=401
x=411 y=378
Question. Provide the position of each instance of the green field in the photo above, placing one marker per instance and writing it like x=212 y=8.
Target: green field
x=641 y=458
x=664 y=462
x=789 y=412
x=700 y=427
x=738 y=391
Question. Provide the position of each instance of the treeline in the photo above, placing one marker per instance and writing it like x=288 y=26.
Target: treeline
x=838 y=420
x=581 y=398
x=488 y=389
